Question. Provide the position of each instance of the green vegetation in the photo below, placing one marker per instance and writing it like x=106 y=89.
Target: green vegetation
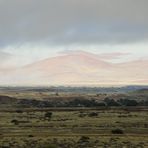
x=73 y=120
x=68 y=129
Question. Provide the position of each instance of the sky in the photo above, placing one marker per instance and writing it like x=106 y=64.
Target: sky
x=32 y=30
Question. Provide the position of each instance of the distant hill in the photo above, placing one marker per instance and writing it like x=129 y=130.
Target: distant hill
x=78 y=69
x=125 y=89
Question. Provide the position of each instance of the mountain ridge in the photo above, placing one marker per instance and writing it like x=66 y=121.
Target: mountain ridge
x=79 y=68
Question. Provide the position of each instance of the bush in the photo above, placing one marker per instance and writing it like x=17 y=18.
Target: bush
x=117 y=131
x=30 y=136
x=48 y=115
x=19 y=111
x=127 y=102
x=84 y=139
x=93 y=114
x=16 y=122
x=111 y=102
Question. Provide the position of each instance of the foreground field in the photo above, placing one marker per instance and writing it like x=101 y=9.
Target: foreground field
x=73 y=129
x=73 y=117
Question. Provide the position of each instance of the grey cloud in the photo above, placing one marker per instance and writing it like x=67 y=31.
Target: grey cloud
x=60 y=22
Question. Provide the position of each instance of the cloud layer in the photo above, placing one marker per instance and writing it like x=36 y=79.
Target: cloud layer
x=68 y=22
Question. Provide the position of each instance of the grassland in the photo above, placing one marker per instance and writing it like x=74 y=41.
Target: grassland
x=70 y=127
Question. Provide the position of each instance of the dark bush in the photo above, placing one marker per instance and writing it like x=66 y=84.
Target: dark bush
x=101 y=104
x=84 y=139
x=30 y=136
x=117 y=131
x=111 y=102
x=82 y=103
x=19 y=111
x=16 y=122
x=127 y=102
x=93 y=114
x=48 y=115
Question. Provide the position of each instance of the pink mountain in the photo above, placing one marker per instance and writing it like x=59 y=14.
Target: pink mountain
x=78 y=68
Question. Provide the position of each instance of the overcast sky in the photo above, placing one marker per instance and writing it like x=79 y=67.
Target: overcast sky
x=35 y=29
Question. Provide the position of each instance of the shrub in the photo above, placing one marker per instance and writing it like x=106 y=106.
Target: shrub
x=117 y=131
x=93 y=114
x=48 y=115
x=84 y=139
x=16 y=122
x=127 y=102
x=19 y=111
x=111 y=102
x=30 y=136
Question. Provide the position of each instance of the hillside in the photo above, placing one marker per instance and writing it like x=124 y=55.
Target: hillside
x=78 y=68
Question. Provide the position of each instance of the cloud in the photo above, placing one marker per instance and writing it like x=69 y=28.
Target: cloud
x=103 y=56
x=114 y=55
x=4 y=55
x=4 y=59
x=68 y=22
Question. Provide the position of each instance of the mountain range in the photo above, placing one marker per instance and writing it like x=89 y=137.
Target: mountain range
x=78 y=68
